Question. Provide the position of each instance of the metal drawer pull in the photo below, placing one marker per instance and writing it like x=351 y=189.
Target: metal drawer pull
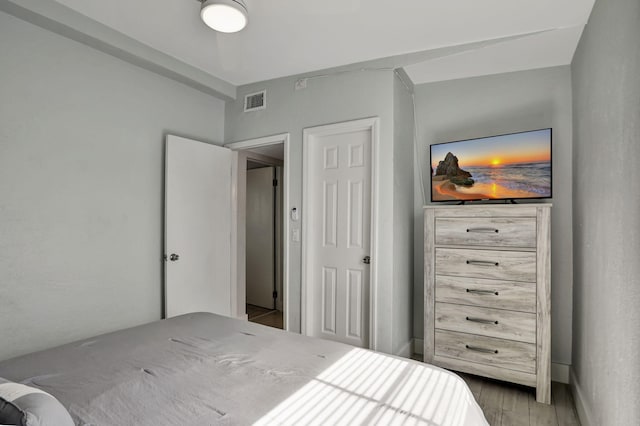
x=482 y=263
x=477 y=349
x=482 y=321
x=483 y=230
x=474 y=291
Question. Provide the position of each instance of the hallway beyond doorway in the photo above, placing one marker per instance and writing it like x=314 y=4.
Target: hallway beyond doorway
x=264 y=316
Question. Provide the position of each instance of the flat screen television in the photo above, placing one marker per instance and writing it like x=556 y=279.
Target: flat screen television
x=514 y=166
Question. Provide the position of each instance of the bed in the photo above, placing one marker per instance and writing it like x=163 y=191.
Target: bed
x=205 y=369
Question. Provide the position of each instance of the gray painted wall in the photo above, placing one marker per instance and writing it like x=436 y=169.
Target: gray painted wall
x=81 y=186
x=606 y=227
x=329 y=99
x=60 y=19
x=504 y=103
x=403 y=149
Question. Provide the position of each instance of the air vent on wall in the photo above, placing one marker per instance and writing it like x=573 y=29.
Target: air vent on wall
x=255 y=101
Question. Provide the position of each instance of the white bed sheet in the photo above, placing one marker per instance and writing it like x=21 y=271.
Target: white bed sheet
x=204 y=369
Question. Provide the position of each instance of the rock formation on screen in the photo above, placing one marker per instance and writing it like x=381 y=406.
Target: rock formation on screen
x=450 y=169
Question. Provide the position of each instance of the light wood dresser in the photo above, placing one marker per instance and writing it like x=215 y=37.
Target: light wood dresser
x=487 y=292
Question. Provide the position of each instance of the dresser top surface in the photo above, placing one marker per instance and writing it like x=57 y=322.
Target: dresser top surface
x=486 y=206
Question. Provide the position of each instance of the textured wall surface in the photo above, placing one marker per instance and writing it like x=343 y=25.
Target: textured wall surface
x=81 y=186
x=606 y=228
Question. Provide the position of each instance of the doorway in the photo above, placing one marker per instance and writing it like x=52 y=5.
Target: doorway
x=264 y=242
x=262 y=249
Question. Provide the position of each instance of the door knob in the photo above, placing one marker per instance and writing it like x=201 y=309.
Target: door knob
x=174 y=257
x=366 y=260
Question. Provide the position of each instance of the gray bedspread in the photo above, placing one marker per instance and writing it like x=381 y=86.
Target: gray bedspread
x=204 y=369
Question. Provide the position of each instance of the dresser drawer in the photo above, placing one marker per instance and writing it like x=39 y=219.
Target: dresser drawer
x=520 y=326
x=487 y=350
x=494 y=264
x=511 y=295
x=486 y=231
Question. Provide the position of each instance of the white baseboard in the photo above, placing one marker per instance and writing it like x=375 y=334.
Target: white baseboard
x=559 y=372
x=584 y=412
x=406 y=350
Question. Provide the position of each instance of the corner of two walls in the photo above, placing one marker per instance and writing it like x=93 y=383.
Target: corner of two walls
x=403 y=193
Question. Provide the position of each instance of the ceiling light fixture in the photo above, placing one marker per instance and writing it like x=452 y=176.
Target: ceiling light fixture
x=226 y=16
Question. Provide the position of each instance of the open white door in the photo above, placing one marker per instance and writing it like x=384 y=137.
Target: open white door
x=197 y=227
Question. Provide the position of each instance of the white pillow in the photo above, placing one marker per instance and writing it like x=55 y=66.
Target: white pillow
x=28 y=406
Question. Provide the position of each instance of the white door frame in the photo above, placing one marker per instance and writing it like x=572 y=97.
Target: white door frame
x=372 y=124
x=238 y=224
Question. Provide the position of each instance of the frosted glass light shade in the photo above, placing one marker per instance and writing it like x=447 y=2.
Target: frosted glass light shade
x=226 y=16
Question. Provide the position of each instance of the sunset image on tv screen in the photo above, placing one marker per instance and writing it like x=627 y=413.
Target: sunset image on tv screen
x=513 y=166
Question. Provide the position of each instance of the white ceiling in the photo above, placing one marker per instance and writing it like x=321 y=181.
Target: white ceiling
x=288 y=37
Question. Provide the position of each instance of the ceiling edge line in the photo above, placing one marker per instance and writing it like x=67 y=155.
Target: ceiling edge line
x=70 y=24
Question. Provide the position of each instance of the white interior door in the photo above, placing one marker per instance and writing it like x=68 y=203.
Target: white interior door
x=260 y=237
x=197 y=227
x=337 y=220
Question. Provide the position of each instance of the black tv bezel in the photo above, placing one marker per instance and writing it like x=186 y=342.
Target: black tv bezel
x=458 y=201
